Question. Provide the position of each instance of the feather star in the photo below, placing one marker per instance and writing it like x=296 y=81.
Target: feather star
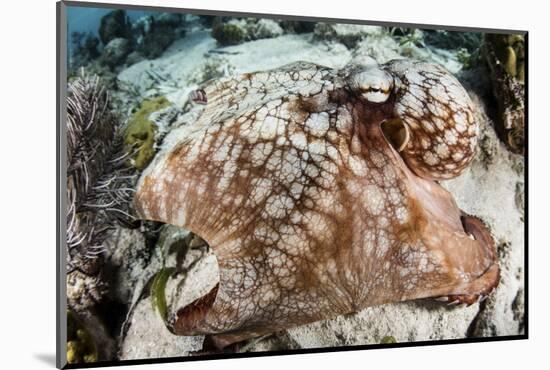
x=317 y=190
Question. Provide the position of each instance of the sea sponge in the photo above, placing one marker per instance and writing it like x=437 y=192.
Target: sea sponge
x=140 y=132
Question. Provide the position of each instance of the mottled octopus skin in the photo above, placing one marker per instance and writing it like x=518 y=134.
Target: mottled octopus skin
x=309 y=209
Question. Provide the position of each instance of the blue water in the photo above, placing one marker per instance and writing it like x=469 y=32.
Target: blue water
x=82 y=19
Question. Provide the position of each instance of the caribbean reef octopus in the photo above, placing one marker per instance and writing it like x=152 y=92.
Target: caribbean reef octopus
x=318 y=191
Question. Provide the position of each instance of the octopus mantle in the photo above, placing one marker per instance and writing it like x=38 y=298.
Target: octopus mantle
x=316 y=189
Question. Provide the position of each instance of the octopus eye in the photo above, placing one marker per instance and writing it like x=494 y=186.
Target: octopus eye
x=374 y=95
x=373 y=84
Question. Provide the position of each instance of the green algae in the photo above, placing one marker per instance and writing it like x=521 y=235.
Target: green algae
x=158 y=297
x=388 y=339
x=140 y=132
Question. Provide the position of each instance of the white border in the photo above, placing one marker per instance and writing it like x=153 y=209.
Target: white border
x=28 y=181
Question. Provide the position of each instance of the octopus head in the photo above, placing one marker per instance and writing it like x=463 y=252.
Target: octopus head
x=372 y=83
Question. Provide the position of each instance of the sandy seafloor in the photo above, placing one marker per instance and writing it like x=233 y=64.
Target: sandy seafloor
x=492 y=188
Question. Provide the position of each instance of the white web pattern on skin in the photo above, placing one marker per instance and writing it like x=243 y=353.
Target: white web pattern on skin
x=440 y=115
x=309 y=210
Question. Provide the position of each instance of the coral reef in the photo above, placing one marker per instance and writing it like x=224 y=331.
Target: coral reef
x=125 y=41
x=114 y=25
x=156 y=32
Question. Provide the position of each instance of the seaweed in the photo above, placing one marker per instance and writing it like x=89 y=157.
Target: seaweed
x=158 y=298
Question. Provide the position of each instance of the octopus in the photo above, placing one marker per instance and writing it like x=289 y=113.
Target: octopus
x=318 y=191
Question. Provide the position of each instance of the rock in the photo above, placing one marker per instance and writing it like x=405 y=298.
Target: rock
x=207 y=20
x=157 y=32
x=231 y=33
x=153 y=43
x=84 y=290
x=134 y=57
x=85 y=49
x=114 y=24
x=264 y=29
x=115 y=52
x=520 y=198
x=196 y=270
x=297 y=26
x=381 y=49
x=168 y=19
x=237 y=31
x=147 y=337
x=406 y=322
x=128 y=257
x=88 y=338
x=85 y=295
x=348 y=34
x=471 y=41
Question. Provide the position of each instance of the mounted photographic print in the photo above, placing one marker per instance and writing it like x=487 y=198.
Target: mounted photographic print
x=237 y=184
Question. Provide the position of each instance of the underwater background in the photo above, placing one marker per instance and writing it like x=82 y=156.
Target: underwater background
x=129 y=78
x=87 y=20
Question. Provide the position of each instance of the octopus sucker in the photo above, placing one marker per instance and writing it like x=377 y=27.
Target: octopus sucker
x=327 y=201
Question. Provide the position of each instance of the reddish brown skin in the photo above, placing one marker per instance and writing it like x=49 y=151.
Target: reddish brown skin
x=310 y=210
